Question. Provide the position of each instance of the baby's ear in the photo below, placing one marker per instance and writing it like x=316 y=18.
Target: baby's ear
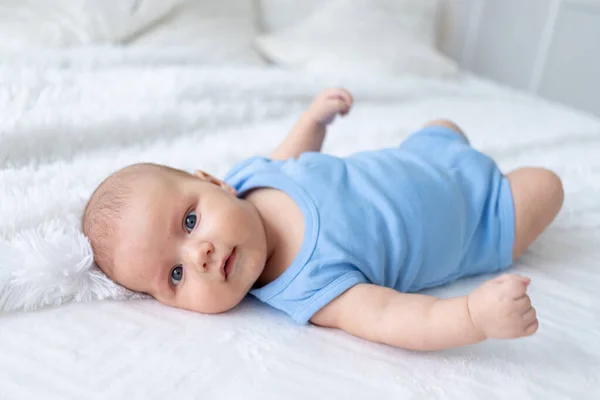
x=202 y=175
x=215 y=181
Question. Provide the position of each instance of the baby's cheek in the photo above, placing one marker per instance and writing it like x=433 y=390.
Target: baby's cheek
x=208 y=297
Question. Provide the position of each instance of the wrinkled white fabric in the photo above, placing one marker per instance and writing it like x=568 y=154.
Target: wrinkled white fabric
x=66 y=122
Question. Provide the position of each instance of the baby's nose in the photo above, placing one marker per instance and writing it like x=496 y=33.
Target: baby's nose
x=198 y=255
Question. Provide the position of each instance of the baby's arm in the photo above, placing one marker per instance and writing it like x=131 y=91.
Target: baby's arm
x=499 y=308
x=309 y=132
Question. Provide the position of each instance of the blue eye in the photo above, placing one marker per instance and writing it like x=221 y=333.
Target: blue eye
x=176 y=275
x=190 y=221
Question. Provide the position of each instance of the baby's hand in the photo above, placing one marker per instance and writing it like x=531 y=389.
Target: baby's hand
x=328 y=104
x=501 y=309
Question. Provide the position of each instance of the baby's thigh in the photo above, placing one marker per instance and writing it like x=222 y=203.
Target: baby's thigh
x=537 y=197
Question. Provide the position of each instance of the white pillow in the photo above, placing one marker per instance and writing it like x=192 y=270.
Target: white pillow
x=216 y=31
x=419 y=17
x=276 y=15
x=354 y=36
x=58 y=24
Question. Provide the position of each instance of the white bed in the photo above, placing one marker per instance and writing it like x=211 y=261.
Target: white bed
x=69 y=118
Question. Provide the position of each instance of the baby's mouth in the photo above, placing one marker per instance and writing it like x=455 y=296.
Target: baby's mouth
x=228 y=264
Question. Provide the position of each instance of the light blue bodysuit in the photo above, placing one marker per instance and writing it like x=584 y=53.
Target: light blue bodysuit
x=411 y=217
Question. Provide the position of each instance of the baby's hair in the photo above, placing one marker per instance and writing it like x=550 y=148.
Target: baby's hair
x=106 y=206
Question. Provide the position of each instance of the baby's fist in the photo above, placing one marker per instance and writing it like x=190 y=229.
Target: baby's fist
x=501 y=309
x=328 y=104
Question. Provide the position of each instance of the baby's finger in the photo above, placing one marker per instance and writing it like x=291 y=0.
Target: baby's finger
x=512 y=289
x=532 y=328
x=530 y=315
x=523 y=303
x=345 y=111
x=339 y=93
x=338 y=105
x=346 y=96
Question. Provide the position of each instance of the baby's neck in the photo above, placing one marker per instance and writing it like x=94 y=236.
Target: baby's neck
x=284 y=228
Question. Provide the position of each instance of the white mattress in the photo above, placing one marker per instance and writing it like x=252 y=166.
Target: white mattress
x=63 y=130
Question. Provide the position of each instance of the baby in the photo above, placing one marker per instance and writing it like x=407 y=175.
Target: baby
x=339 y=242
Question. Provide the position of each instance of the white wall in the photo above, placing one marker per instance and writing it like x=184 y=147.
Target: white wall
x=547 y=47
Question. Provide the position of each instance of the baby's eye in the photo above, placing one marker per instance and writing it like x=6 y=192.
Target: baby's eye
x=176 y=275
x=190 y=221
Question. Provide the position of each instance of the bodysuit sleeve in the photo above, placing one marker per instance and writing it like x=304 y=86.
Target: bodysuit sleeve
x=245 y=169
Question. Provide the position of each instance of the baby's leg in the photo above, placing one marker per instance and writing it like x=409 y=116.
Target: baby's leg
x=537 y=196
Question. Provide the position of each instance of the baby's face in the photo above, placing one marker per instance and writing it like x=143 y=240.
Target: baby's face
x=189 y=242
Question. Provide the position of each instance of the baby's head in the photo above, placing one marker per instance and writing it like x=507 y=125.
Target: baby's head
x=185 y=239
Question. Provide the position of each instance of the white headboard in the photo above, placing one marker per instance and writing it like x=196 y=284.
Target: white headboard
x=530 y=45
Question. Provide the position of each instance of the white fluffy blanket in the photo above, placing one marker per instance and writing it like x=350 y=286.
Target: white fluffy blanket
x=67 y=122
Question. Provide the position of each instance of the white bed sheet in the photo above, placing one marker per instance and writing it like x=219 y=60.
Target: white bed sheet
x=63 y=130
